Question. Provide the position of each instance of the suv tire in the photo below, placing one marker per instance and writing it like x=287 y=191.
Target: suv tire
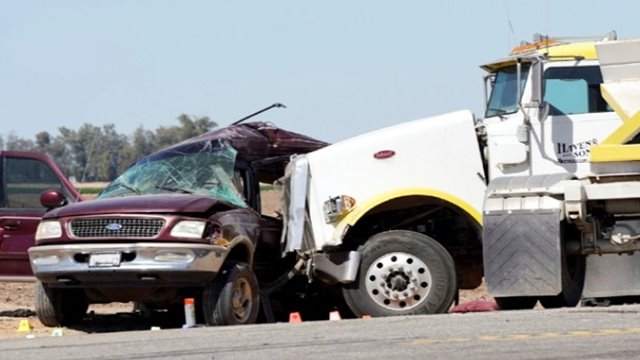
x=232 y=297
x=59 y=307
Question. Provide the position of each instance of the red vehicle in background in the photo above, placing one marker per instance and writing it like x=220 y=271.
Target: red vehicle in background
x=23 y=177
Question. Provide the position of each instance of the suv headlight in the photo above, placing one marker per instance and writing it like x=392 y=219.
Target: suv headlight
x=48 y=230
x=188 y=229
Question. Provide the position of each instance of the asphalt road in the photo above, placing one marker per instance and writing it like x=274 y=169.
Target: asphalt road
x=598 y=333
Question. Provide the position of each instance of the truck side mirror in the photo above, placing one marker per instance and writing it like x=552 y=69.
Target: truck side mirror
x=543 y=112
x=536 y=83
x=52 y=198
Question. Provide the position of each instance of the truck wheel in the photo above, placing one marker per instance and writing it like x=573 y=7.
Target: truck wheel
x=573 y=272
x=516 y=302
x=232 y=297
x=56 y=307
x=402 y=273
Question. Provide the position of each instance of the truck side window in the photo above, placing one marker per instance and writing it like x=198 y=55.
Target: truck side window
x=25 y=180
x=504 y=91
x=574 y=90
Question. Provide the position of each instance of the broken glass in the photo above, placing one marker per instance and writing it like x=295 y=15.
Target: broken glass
x=205 y=169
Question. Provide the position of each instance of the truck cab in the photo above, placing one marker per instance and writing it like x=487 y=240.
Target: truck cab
x=562 y=170
x=545 y=110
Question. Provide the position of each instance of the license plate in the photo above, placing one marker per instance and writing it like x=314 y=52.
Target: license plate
x=104 y=259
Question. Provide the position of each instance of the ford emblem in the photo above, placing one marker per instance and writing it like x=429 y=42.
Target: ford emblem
x=113 y=227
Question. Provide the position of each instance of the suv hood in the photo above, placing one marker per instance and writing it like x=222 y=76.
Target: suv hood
x=158 y=203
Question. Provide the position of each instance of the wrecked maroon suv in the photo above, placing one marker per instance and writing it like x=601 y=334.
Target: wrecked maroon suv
x=182 y=222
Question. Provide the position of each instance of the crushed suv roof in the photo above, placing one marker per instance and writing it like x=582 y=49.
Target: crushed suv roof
x=265 y=145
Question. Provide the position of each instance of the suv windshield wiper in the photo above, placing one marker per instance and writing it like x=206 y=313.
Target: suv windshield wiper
x=174 y=189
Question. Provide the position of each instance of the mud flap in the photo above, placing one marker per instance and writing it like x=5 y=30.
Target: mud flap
x=522 y=255
x=612 y=275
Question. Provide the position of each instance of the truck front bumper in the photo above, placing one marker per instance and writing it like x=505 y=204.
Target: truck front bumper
x=127 y=264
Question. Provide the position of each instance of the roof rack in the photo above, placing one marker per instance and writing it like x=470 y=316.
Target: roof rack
x=544 y=41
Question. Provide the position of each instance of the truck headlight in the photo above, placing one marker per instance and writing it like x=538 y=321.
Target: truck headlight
x=188 y=229
x=337 y=207
x=48 y=230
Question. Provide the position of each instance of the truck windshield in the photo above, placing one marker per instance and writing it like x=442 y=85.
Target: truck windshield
x=201 y=170
x=504 y=92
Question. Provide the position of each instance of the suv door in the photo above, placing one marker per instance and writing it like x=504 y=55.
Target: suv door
x=24 y=176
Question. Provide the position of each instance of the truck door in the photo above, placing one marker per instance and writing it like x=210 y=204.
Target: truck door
x=23 y=179
x=578 y=118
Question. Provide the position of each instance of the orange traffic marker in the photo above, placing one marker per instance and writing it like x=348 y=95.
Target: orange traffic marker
x=366 y=317
x=334 y=315
x=294 y=317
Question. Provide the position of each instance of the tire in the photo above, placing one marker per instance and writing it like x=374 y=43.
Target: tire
x=59 y=307
x=573 y=273
x=402 y=273
x=516 y=302
x=232 y=297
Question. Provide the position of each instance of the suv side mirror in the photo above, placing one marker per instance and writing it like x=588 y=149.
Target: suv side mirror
x=52 y=198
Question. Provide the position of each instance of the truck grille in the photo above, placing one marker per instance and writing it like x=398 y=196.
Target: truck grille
x=119 y=227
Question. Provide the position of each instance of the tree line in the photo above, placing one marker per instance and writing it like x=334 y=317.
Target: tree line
x=94 y=153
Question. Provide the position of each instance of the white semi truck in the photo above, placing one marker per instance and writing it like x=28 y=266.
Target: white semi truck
x=542 y=190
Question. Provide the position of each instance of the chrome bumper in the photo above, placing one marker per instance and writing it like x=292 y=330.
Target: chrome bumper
x=140 y=264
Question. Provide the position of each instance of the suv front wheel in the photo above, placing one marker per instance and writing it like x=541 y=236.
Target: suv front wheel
x=58 y=307
x=232 y=297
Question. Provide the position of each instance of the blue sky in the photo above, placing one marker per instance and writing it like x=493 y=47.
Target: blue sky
x=342 y=68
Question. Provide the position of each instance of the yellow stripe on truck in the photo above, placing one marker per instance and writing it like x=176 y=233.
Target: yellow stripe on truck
x=586 y=50
x=611 y=153
x=363 y=208
x=614 y=147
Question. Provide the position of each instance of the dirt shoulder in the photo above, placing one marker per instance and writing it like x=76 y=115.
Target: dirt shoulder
x=16 y=304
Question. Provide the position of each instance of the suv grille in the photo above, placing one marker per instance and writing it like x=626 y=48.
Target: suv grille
x=119 y=227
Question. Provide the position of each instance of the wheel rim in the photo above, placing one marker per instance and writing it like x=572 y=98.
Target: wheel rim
x=241 y=300
x=398 y=281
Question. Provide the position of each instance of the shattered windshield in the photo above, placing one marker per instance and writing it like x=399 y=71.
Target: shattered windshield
x=202 y=169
